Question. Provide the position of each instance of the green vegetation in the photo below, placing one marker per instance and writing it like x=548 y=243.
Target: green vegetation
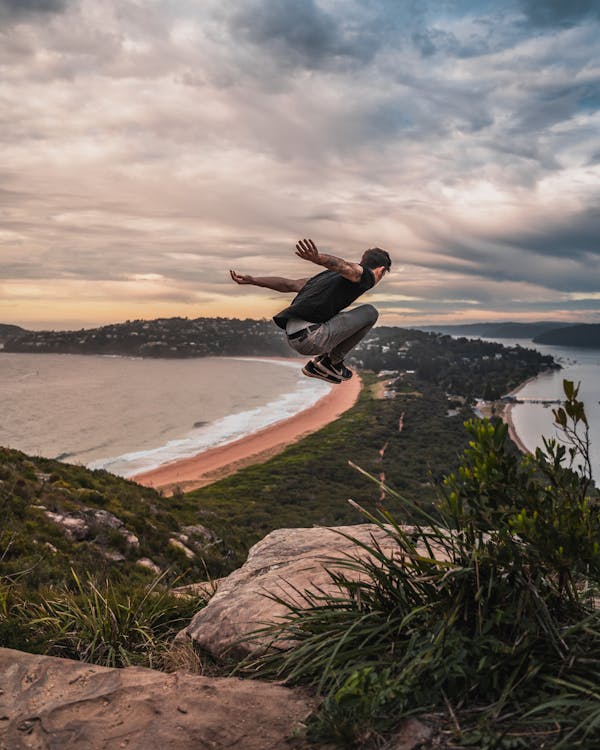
x=103 y=624
x=485 y=618
x=309 y=483
x=57 y=516
x=467 y=367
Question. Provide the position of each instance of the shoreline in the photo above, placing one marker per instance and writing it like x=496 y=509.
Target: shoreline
x=506 y=416
x=512 y=432
x=221 y=461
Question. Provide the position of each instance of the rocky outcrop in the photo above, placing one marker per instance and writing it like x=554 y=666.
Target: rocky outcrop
x=58 y=704
x=146 y=562
x=198 y=534
x=53 y=704
x=84 y=523
x=284 y=563
x=48 y=703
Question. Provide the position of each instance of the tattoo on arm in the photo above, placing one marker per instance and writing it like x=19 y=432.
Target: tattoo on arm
x=307 y=250
x=351 y=271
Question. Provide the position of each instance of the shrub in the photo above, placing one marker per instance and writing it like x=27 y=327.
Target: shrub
x=485 y=614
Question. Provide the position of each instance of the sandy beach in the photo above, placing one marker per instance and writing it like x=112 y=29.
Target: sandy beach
x=512 y=433
x=506 y=416
x=216 y=463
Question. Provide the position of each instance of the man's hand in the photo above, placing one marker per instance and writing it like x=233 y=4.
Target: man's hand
x=307 y=250
x=241 y=278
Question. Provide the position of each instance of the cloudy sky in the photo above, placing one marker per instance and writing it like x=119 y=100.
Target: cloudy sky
x=149 y=145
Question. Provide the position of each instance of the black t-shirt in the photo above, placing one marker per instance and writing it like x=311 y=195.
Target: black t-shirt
x=324 y=296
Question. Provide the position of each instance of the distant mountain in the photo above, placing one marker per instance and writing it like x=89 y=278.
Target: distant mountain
x=9 y=331
x=586 y=335
x=163 y=337
x=500 y=330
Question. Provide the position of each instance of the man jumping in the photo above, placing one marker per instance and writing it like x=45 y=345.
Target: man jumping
x=314 y=322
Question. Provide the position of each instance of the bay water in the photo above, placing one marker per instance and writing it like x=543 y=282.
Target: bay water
x=532 y=421
x=129 y=415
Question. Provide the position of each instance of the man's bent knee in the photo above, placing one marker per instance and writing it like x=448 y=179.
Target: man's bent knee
x=370 y=313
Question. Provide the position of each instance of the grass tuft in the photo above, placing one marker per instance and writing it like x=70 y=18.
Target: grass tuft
x=102 y=624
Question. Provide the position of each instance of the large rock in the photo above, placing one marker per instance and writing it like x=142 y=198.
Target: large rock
x=55 y=704
x=284 y=563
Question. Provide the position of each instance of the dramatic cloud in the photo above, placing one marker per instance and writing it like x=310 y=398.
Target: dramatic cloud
x=300 y=34
x=19 y=8
x=560 y=12
x=148 y=146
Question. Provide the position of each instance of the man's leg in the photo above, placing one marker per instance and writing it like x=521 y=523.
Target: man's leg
x=343 y=332
x=333 y=340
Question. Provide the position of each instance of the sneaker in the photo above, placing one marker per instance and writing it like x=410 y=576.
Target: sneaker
x=338 y=370
x=311 y=371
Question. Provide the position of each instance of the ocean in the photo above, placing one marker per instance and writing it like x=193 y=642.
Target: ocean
x=532 y=421
x=129 y=415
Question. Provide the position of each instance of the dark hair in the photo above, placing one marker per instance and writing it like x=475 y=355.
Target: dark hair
x=376 y=257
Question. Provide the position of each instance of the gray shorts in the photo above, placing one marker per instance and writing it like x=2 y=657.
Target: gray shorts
x=339 y=335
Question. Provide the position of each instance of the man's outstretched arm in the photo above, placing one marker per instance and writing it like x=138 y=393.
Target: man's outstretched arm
x=307 y=250
x=278 y=283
